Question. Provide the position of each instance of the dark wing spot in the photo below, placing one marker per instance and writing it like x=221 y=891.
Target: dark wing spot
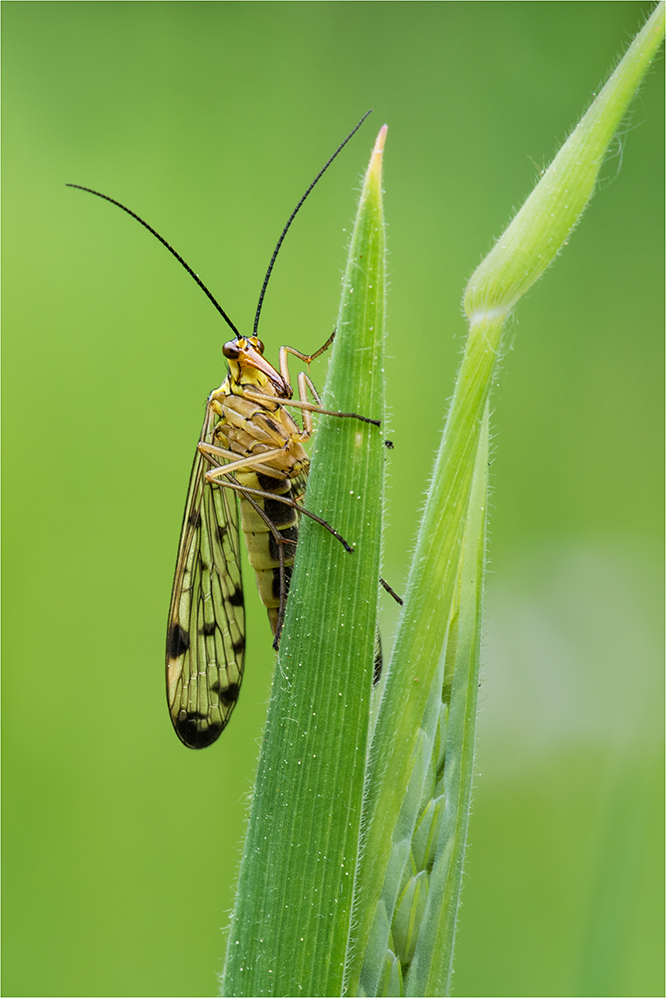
x=208 y=628
x=236 y=597
x=194 y=519
x=222 y=531
x=178 y=641
x=238 y=644
x=196 y=731
x=230 y=695
x=271 y=425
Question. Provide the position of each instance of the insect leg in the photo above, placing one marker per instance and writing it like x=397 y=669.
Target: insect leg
x=215 y=477
x=306 y=358
x=390 y=591
x=308 y=407
x=304 y=382
x=210 y=451
x=378 y=659
x=288 y=502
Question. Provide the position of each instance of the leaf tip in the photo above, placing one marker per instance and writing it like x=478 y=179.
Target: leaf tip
x=376 y=158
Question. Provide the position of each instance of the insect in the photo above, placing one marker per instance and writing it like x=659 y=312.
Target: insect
x=249 y=471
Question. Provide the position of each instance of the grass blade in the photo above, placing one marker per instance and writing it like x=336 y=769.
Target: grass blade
x=399 y=770
x=291 y=922
x=445 y=818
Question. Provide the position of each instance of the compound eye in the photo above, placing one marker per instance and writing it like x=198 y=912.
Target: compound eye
x=260 y=346
x=231 y=350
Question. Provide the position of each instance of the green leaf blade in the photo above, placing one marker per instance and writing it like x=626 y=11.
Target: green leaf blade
x=291 y=923
x=546 y=220
x=413 y=687
x=430 y=968
x=404 y=740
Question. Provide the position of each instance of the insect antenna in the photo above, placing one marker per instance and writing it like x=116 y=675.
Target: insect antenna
x=168 y=246
x=293 y=216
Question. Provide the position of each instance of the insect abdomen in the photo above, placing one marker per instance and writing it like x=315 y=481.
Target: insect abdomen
x=262 y=545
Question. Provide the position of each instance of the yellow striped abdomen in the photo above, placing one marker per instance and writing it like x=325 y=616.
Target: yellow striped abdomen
x=262 y=546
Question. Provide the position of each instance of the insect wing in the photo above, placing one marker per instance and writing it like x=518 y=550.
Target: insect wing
x=206 y=634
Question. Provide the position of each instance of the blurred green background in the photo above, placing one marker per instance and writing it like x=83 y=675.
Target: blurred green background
x=210 y=119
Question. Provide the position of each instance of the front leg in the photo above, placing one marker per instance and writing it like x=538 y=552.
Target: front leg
x=307 y=407
x=305 y=357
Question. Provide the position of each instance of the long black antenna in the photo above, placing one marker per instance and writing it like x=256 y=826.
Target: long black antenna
x=293 y=216
x=170 y=248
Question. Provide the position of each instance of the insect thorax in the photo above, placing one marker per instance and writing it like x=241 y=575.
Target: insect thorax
x=249 y=428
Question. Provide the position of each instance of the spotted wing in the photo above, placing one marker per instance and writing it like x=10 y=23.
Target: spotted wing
x=206 y=635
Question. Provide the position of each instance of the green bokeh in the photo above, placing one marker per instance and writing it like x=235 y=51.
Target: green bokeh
x=209 y=119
